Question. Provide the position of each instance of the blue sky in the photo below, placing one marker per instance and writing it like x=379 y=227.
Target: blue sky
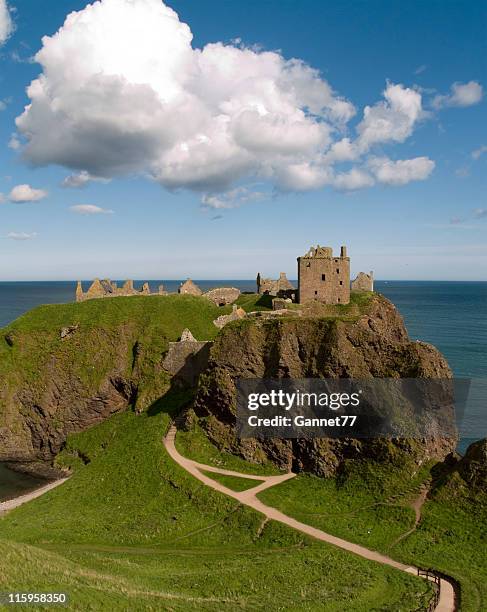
x=421 y=220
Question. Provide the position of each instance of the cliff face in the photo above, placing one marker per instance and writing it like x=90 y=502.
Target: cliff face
x=375 y=344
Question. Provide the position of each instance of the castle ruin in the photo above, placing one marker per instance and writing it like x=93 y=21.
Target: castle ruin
x=277 y=288
x=323 y=277
x=107 y=288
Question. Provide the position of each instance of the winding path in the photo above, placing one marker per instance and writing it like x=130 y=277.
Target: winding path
x=248 y=497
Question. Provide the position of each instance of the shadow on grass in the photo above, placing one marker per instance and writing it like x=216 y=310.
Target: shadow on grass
x=173 y=401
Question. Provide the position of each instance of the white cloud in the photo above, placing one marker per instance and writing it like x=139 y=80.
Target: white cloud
x=477 y=153
x=21 y=235
x=390 y=120
x=461 y=94
x=352 y=180
x=420 y=69
x=6 y=25
x=402 y=171
x=480 y=213
x=232 y=198
x=122 y=91
x=81 y=179
x=90 y=209
x=26 y=193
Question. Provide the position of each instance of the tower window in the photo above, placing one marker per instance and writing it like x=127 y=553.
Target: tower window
x=341 y=282
x=323 y=277
x=338 y=270
x=308 y=264
x=316 y=293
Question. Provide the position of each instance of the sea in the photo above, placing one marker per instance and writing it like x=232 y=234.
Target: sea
x=451 y=315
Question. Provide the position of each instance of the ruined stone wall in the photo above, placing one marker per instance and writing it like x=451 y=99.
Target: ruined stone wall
x=222 y=295
x=323 y=277
x=280 y=287
x=363 y=282
x=106 y=288
x=186 y=359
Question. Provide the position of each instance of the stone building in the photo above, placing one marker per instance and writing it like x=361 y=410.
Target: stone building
x=363 y=282
x=189 y=288
x=278 y=288
x=323 y=276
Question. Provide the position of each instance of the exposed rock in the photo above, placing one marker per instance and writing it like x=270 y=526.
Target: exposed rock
x=10 y=339
x=375 y=345
x=189 y=288
x=473 y=466
x=67 y=331
x=221 y=296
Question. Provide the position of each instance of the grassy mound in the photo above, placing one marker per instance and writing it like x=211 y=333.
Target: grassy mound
x=132 y=530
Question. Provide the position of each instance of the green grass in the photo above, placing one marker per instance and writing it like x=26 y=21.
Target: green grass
x=371 y=507
x=253 y=301
x=109 y=332
x=131 y=530
x=235 y=483
x=195 y=445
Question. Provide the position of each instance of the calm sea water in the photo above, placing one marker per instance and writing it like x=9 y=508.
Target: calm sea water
x=450 y=315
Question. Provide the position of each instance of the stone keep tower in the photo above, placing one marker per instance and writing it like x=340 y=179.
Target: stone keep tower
x=323 y=277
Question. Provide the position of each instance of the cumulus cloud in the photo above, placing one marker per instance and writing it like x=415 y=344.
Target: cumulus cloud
x=194 y=118
x=402 y=171
x=90 y=209
x=21 y=235
x=123 y=91
x=81 y=179
x=461 y=94
x=392 y=119
x=26 y=193
x=6 y=25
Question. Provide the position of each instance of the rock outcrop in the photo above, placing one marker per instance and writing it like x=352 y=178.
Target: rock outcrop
x=376 y=344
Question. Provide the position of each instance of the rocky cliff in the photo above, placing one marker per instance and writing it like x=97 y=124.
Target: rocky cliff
x=64 y=368
x=372 y=344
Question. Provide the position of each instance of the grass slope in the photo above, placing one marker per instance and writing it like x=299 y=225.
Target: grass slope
x=132 y=531
x=195 y=445
x=371 y=506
